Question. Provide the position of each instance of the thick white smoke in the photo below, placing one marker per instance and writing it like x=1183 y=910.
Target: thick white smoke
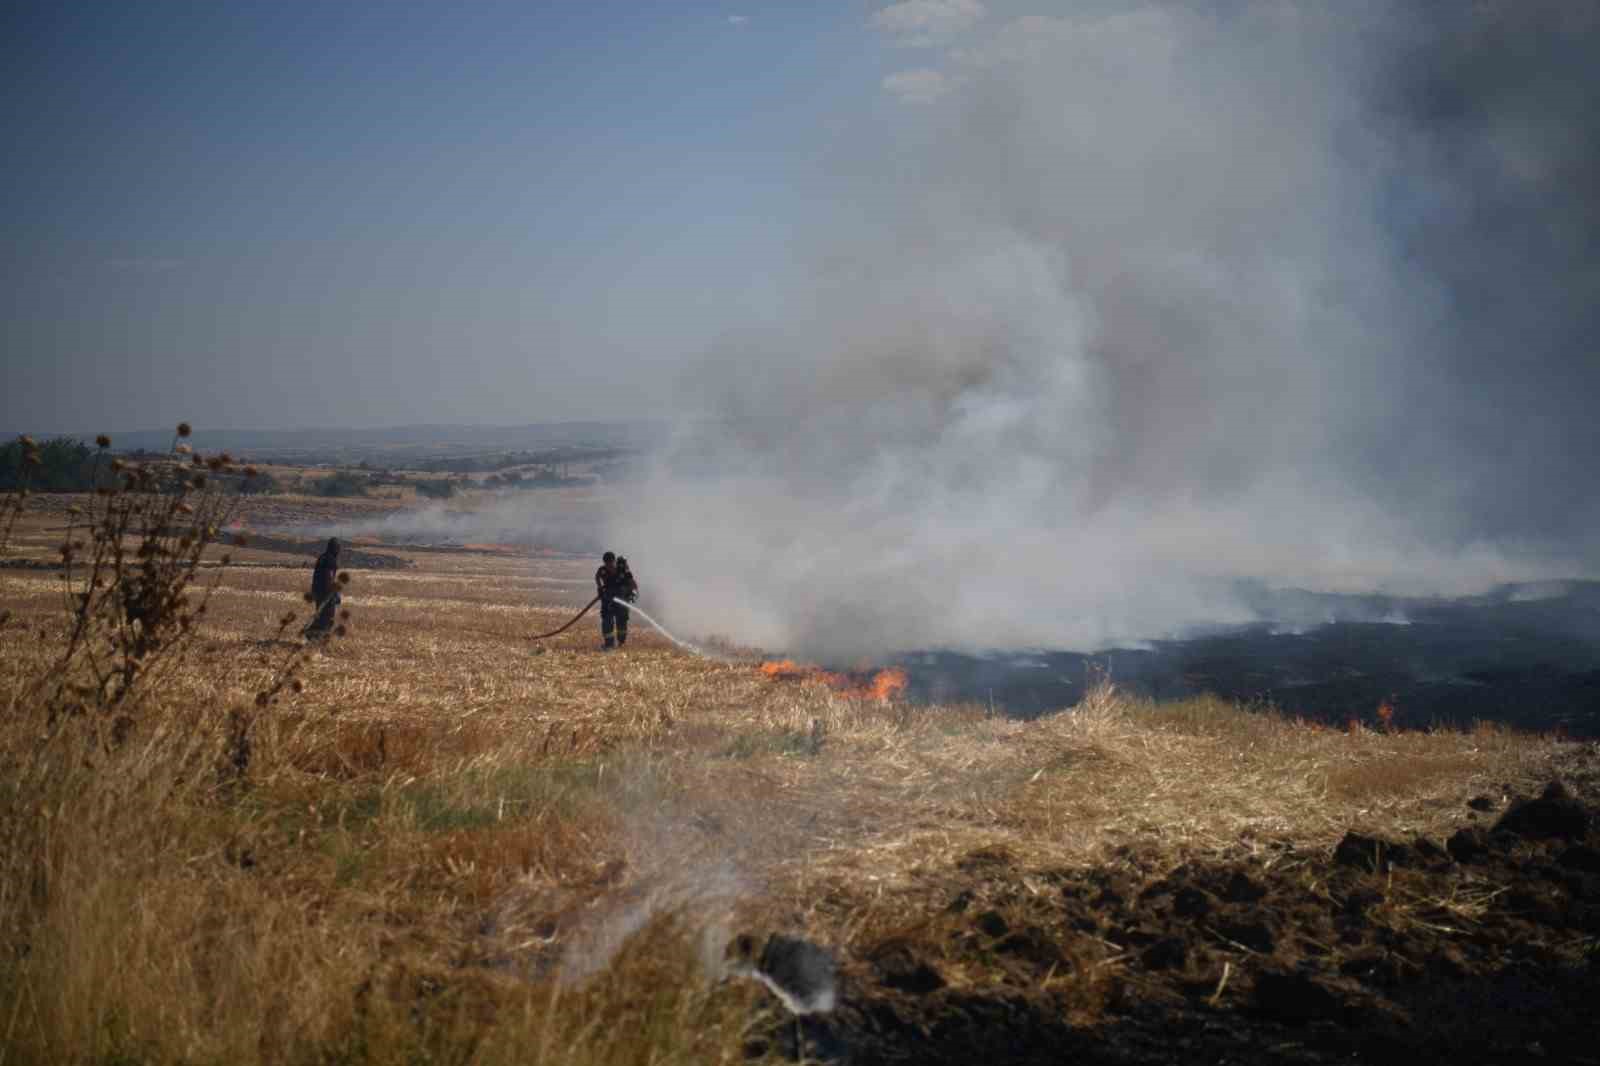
x=1116 y=309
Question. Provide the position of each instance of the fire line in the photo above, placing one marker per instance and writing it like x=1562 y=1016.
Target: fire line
x=883 y=685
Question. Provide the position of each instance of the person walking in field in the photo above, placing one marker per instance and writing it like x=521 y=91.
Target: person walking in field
x=614 y=581
x=325 y=592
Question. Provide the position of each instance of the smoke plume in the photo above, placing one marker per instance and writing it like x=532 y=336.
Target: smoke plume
x=1135 y=301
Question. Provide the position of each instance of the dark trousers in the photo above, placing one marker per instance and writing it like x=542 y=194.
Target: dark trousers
x=322 y=624
x=613 y=615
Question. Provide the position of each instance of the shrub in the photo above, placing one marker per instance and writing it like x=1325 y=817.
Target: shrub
x=61 y=464
x=130 y=563
x=441 y=489
x=341 y=483
x=260 y=485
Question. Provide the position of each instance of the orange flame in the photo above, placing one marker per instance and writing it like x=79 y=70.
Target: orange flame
x=883 y=686
x=783 y=670
x=888 y=684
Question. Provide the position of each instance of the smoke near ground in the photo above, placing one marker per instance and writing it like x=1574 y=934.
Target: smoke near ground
x=1118 y=305
x=561 y=525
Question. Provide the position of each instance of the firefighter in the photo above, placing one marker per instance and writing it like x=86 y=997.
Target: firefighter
x=614 y=582
x=325 y=591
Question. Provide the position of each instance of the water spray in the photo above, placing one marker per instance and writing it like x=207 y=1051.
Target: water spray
x=693 y=649
x=684 y=644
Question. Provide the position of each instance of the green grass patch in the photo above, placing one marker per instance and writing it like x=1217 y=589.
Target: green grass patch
x=797 y=742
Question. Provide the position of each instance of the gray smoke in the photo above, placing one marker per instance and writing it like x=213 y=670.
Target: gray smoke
x=1122 y=304
x=558 y=525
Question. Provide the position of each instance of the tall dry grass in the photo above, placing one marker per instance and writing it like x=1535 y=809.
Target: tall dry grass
x=192 y=876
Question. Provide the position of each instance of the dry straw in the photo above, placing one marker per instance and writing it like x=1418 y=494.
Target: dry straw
x=431 y=844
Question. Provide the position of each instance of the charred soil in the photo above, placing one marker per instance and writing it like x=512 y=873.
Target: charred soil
x=1479 y=948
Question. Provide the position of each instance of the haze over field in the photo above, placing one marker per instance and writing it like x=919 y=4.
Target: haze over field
x=985 y=323
x=1141 y=297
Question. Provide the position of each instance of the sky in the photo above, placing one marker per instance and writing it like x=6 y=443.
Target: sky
x=982 y=322
x=308 y=214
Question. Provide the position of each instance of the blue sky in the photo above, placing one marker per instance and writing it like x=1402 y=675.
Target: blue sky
x=281 y=214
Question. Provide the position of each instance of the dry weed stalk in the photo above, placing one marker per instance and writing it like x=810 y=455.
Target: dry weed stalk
x=133 y=591
x=93 y=751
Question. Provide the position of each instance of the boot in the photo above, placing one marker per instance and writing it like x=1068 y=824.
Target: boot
x=608 y=645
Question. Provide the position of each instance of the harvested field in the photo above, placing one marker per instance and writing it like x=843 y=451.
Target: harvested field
x=454 y=845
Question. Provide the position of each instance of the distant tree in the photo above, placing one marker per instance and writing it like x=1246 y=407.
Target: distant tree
x=440 y=489
x=262 y=484
x=341 y=483
x=65 y=465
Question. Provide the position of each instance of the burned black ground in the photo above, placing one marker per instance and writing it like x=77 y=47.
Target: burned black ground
x=1481 y=948
x=1523 y=656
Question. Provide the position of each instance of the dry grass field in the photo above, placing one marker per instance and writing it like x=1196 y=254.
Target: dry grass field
x=453 y=845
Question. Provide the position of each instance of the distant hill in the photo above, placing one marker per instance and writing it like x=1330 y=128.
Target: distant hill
x=392 y=443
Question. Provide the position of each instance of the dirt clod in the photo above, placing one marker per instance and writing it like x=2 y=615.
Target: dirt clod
x=1555 y=814
x=1192 y=902
x=900 y=969
x=1582 y=858
x=1468 y=845
x=990 y=923
x=1370 y=853
x=1295 y=997
x=1168 y=953
x=1381 y=949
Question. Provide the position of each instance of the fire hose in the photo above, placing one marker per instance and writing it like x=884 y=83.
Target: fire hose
x=636 y=609
x=633 y=607
x=541 y=636
x=569 y=625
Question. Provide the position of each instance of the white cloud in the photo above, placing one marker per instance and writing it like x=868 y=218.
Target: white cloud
x=923 y=23
x=738 y=20
x=1150 y=34
x=921 y=86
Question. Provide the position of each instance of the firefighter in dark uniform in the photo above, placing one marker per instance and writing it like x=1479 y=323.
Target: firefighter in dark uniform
x=614 y=584
x=325 y=591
